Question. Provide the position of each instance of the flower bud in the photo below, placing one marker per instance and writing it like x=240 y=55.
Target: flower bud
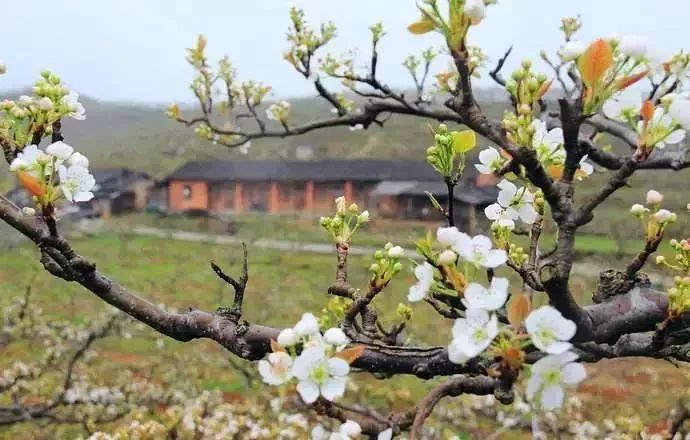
x=654 y=197
x=447 y=257
x=335 y=336
x=396 y=252
x=526 y=64
x=397 y=267
x=28 y=211
x=638 y=209
x=378 y=255
x=364 y=217
x=664 y=216
x=287 y=337
x=353 y=208
x=325 y=221
x=375 y=268
x=660 y=259
x=443 y=128
x=340 y=203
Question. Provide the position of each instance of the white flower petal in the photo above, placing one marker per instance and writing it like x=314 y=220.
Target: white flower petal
x=308 y=390
x=573 y=373
x=333 y=388
x=338 y=367
x=552 y=397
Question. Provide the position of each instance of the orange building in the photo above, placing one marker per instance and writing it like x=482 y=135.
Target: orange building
x=393 y=189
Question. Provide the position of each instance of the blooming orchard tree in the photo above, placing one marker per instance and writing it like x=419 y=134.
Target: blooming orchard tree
x=500 y=344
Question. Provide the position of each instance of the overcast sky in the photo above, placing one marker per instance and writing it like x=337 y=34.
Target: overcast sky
x=133 y=50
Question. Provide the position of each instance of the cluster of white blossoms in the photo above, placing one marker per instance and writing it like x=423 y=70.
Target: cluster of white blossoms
x=474 y=334
x=278 y=111
x=350 y=430
x=513 y=203
x=37 y=169
x=318 y=369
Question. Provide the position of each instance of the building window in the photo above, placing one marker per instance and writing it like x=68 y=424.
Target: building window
x=187 y=192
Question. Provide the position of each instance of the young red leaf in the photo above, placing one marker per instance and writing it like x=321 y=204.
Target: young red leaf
x=350 y=355
x=595 y=62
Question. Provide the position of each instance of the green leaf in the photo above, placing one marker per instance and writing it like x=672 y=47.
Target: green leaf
x=464 y=141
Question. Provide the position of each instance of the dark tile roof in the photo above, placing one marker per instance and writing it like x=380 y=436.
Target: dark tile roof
x=113 y=180
x=465 y=192
x=294 y=171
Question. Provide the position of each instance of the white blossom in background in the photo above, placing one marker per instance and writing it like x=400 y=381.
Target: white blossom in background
x=679 y=109
x=277 y=369
x=472 y=335
x=76 y=183
x=475 y=10
x=278 y=111
x=654 y=197
x=287 y=338
x=634 y=46
x=396 y=252
x=664 y=127
x=493 y=298
x=244 y=148
x=28 y=160
x=572 y=50
x=447 y=257
x=77 y=110
x=425 y=276
x=356 y=127
x=335 y=336
x=320 y=375
x=548 y=377
x=385 y=435
x=78 y=159
x=627 y=102
x=478 y=251
x=549 y=330
x=490 y=161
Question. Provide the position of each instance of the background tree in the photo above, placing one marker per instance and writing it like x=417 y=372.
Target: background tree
x=545 y=152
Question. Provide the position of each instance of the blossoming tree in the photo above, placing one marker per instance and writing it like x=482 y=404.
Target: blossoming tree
x=544 y=151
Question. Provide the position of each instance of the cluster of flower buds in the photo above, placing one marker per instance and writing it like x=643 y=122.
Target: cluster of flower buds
x=387 y=264
x=22 y=121
x=447 y=146
x=463 y=14
x=682 y=258
x=278 y=111
x=654 y=218
x=304 y=41
x=569 y=26
x=345 y=222
x=526 y=88
x=679 y=296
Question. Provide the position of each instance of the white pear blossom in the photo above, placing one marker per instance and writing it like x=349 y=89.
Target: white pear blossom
x=679 y=109
x=76 y=183
x=356 y=127
x=478 y=251
x=447 y=236
x=276 y=370
x=425 y=276
x=396 y=252
x=654 y=197
x=513 y=204
x=79 y=159
x=549 y=375
x=628 y=102
x=350 y=428
x=472 y=335
x=475 y=10
x=634 y=46
x=549 y=330
x=335 y=336
x=60 y=150
x=548 y=143
x=45 y=103
x=585 y=167
x=287 y=338
x=490 y=161
x=385 y=435
x=493 y=298
x=77 y=110
x=307 y=326
x=319 y=375
x=27 y=159
x=278 y=111
x=663 y=129
x=572 y=50
x=319 y=433
x=244 y=148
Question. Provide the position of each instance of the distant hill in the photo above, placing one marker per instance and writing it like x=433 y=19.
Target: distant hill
x=143 y=138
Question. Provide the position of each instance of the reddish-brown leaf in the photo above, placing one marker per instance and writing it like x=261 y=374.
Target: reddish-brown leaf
x=595 y=62
x=275 y=347
x=518 y=309
x=350 y=355
x=546 y=85
x=627 y=81
x=30 y=183
x=647 y=110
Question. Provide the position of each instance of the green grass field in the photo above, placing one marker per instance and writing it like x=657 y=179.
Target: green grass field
x=281 y=287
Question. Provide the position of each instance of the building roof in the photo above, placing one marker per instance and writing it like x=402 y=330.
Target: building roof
x=115 y=180
x=295 y=171
x=467 y=193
